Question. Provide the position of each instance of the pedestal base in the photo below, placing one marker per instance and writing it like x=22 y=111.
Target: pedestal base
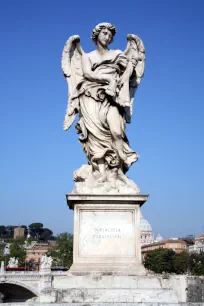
x=107 y=233
x=102 y=289
x=108 y=269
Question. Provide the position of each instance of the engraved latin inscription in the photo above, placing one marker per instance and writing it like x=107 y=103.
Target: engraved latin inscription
x=108 y=233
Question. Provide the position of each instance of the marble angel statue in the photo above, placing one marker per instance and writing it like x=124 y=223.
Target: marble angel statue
x=13 y=262
x=46 y=262
x=102 y=85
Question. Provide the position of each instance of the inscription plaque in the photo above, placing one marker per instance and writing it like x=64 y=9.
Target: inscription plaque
x=107 y=234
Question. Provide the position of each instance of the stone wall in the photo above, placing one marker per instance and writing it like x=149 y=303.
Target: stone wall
x=189 y=290
x=195 y=289
x=101 y=304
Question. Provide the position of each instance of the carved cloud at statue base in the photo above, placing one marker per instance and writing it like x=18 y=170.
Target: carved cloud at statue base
x=88 y=182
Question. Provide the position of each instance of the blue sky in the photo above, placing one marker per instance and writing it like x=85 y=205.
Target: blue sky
x=38 y=157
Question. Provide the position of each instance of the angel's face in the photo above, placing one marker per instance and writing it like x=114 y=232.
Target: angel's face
x=104 y=37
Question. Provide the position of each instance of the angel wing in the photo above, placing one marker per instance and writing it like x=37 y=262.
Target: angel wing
x=135 y=52
x=72 y=70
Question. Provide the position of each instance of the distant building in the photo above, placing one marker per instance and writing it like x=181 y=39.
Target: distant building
x=36 y=250
x=147 y=235
x=19 y=232
x=176 y=245
x=158 y=238
x=198 y=246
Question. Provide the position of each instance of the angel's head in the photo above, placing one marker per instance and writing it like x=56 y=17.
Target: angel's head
x=104 y=32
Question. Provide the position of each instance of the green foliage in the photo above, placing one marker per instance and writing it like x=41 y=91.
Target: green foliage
x=17 y=250
x=2 y=246
x=196 y=263
x=46 y=234
x=2 y=230
x=36 y=229
x=2 y=254
x=7 y=232
x=38 y=232
x=36 y=225
x=165 y=260
x=10 y=231
x=62 y=253
x=180 y=263
x=160 y=260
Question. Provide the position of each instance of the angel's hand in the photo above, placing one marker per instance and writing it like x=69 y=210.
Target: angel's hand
x=134 y=62
x=104 y=79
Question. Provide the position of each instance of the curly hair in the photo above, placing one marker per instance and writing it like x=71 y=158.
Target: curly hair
x=99 y=27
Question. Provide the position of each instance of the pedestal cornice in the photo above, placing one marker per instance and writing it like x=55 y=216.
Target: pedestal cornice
x=98 y=199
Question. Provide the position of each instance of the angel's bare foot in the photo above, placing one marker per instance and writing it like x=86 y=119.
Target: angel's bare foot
x=102 y=170
x=122 y=176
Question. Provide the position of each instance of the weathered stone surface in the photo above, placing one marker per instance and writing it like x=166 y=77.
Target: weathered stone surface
x=102 y=304
x=107 y=233
x=53 y=287
x=195 y=289
x=128 y=288
x=87 y=183
x=112 y=295
x=106 y=281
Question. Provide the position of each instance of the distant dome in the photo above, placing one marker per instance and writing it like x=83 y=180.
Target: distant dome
x=158 y=238
x=144 y=225
x=147 y=236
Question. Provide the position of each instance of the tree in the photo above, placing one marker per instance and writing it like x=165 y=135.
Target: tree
x=46 y=234
x=10 y=231
x=166 y=260
x=160 y=260
x=36 y=229
x=17 y=250
x=39 y=232
x=2 y=230
x=180 y=262
x=62 y=253
x=196 y=263
x=52 y=238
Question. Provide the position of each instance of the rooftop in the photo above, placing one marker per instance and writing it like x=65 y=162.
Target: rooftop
x=164 y=242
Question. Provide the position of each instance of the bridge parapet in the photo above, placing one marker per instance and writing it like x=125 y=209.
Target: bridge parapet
x=34 y=281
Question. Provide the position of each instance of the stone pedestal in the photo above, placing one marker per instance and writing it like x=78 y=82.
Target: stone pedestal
x=107 y=268
x=107 y=233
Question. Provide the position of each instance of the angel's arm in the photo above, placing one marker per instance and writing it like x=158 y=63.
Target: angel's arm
x=127 y=74
x=92 y=75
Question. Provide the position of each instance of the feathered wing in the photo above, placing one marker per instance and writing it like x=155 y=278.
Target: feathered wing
x=135 y=52
x=72 y=70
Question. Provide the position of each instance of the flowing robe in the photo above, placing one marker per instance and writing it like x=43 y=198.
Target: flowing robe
x=94 y=105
